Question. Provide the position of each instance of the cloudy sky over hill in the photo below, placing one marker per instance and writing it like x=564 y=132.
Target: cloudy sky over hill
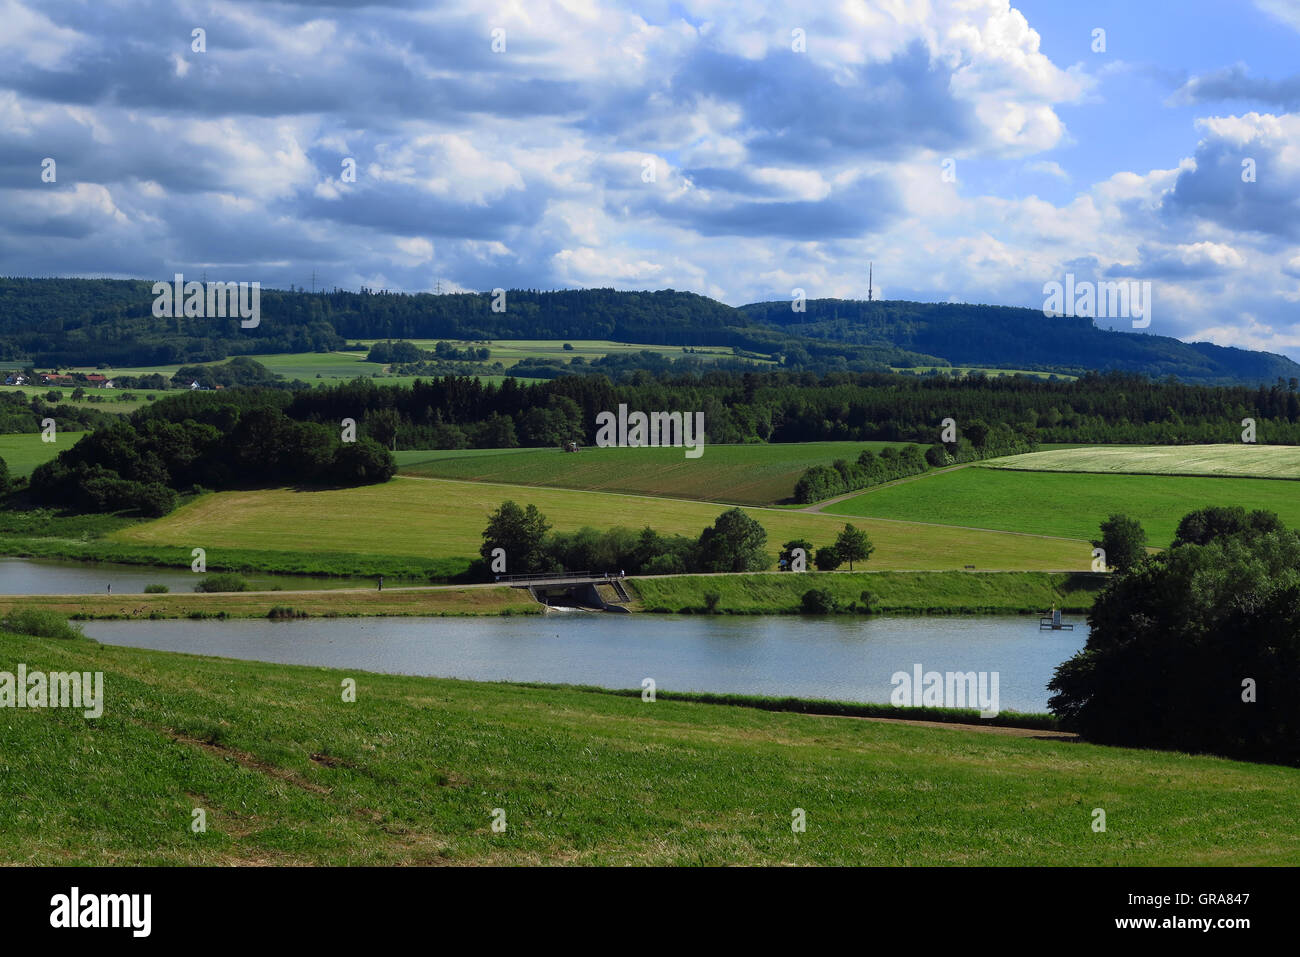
x=972 y=149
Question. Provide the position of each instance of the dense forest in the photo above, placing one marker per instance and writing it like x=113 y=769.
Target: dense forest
x=462 y=412
x=62 y=322
x=182 y=444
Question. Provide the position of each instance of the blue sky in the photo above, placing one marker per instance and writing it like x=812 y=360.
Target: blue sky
x=774 y=168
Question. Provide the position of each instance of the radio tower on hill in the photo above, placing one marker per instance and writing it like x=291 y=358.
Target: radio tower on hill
x=869 y=278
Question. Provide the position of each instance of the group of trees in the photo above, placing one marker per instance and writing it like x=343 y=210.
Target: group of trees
x=1196 y=648
x=401 y=351
x=824 y=481
x=19 y=413
x=179 y=443
x=733 y=543
x=851 y=545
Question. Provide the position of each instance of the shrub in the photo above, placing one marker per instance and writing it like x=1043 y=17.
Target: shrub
x=42 y=624
x=711 y=600
x=819 y=601
x=280 y=612
x=222 y=582
x=827 y=559
x=156 y=589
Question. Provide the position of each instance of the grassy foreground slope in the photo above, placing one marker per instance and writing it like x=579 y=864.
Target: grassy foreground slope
x=437 y=518
x=1242 y=461
x=1067 y=504
x=411 y=772
x=743 y=474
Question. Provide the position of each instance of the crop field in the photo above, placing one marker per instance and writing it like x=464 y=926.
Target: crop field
x=741 y=474
x=411 y=773
x=963 y=370
x=1067 y=504
x=510 y=351
x=436 y=518
x=1241 y=461
x=24 y=451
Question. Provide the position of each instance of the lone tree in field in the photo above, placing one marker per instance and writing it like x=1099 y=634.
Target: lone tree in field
x=521 y=532
x=4 y=478
x=734 y=543
x=853 y=545
x=1124 y=542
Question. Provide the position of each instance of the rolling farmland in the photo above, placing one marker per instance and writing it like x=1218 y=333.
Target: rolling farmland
x=440 y=518
x=1066 y=504
x=743 y=474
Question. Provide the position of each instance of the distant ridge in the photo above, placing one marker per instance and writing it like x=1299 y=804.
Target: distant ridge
x=1018 y=338
x=64 y=322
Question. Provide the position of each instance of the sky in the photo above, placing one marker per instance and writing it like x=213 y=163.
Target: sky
x=971 y=150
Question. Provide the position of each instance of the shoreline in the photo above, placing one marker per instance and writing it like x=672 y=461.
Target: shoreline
x=765 y=593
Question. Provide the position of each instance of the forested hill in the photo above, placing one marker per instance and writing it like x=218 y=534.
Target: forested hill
x=65 y=322
x=1012 y=337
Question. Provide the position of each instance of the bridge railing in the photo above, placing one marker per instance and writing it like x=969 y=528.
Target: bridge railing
x=558 y=576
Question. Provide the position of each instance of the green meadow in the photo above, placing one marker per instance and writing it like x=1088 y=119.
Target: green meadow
x=935 y=593
x=24 y=451
x=415 y=770
x=1071 y=505
x=744 y=474
x=438 y=518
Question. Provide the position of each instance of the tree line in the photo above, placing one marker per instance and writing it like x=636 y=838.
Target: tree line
x=181 y=444
x=519 y=540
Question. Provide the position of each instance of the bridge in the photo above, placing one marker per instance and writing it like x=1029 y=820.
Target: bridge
x=579 y=589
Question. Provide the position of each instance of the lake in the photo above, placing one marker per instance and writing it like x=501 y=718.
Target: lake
x=25 y=576
x=842 y=658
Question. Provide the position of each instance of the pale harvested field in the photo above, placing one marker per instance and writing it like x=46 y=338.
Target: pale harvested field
x=1235 y=461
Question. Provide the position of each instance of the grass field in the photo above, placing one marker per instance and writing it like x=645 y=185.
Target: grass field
x=411 y=772
x=944 y=593
x=439 y=518
x=745 y=474
x=963 y=370
x=1238 y=461
x=24 y=451
x=1067 y=504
